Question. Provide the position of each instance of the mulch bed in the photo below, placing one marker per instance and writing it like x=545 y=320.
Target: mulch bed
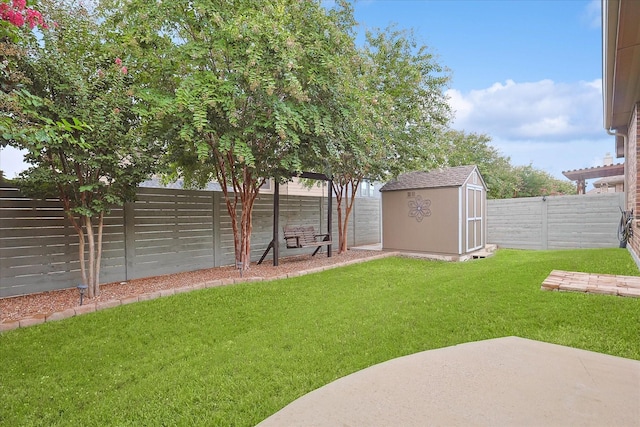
x=40 y=305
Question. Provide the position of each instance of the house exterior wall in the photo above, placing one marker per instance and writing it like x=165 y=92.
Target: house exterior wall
x=633 y=198
x=616 y=187
x=437 y=231
x=298 y=188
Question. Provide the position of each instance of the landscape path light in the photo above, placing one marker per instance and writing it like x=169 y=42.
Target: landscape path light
x=82 y=288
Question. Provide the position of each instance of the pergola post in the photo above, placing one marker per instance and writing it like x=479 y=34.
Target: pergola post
x=329 y=212
x=276 y=226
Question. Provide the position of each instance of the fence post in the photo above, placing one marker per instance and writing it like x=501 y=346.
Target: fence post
x=544 y=235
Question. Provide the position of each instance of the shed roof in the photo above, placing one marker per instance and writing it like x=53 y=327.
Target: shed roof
x=450 y=177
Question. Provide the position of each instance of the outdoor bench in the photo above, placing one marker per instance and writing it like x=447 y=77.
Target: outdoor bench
x=304 y=236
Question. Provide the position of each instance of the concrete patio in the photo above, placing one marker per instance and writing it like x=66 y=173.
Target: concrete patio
x=508 y=381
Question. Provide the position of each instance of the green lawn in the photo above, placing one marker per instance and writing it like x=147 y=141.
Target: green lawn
x=235 y=355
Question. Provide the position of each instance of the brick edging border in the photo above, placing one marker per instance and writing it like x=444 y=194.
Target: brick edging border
x=92 y=307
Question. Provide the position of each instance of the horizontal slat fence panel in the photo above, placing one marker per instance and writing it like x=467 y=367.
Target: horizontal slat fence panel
x=559 y=222
x=39 y=247
x=164 y=231
x=366 y=221
x=584 y=222
x=159 y=239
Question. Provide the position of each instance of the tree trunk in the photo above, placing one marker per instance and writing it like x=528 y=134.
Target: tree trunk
x=81 y=258
x=342 y=186
x=250 y=191
x=232 y=211
x=343 y=224
x=99 y=253
x=245 y=189
x=245 y=259
x=246 y=193
x=81 y=238
x=92 y=256
x=349 y=207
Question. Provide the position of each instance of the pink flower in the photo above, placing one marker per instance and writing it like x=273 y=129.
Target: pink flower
x=124 y=70
x=118 y=62
x=16 y=18
x=19 y=4
x=17 y=13
x=34 y=18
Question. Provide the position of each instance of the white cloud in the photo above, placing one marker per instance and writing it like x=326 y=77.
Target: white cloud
x=531 y=110
x=592 y=14
x=556 y=156
x=555 y=127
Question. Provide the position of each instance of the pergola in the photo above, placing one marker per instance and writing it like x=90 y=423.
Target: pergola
x=274 y=244
x=581 y=175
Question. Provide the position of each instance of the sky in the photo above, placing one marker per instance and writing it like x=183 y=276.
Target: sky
x=525 y=73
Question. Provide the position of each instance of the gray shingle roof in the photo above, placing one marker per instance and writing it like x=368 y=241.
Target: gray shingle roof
x=449 y=177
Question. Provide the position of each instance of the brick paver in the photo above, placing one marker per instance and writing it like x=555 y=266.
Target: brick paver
x=608 y=284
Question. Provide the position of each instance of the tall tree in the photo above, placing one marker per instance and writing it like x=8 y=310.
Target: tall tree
x=394 y=106
x=95 y=160
x=533 y=182
x=458 y=148
x=17 y=22
x=248 y=99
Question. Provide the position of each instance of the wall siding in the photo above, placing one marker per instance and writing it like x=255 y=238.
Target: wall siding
x=560 y=222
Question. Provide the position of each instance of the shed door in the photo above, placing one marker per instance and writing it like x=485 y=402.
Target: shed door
x=475 y=237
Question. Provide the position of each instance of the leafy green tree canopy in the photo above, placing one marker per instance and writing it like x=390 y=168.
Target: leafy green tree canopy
x=239 y=91
x=79 y=127
x=391 y=105
x=503 y=180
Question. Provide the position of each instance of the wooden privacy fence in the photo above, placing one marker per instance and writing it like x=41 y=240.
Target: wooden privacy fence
x=164 y=231
x=559 y=222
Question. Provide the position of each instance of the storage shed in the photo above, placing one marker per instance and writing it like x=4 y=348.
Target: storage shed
x=441 y=212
